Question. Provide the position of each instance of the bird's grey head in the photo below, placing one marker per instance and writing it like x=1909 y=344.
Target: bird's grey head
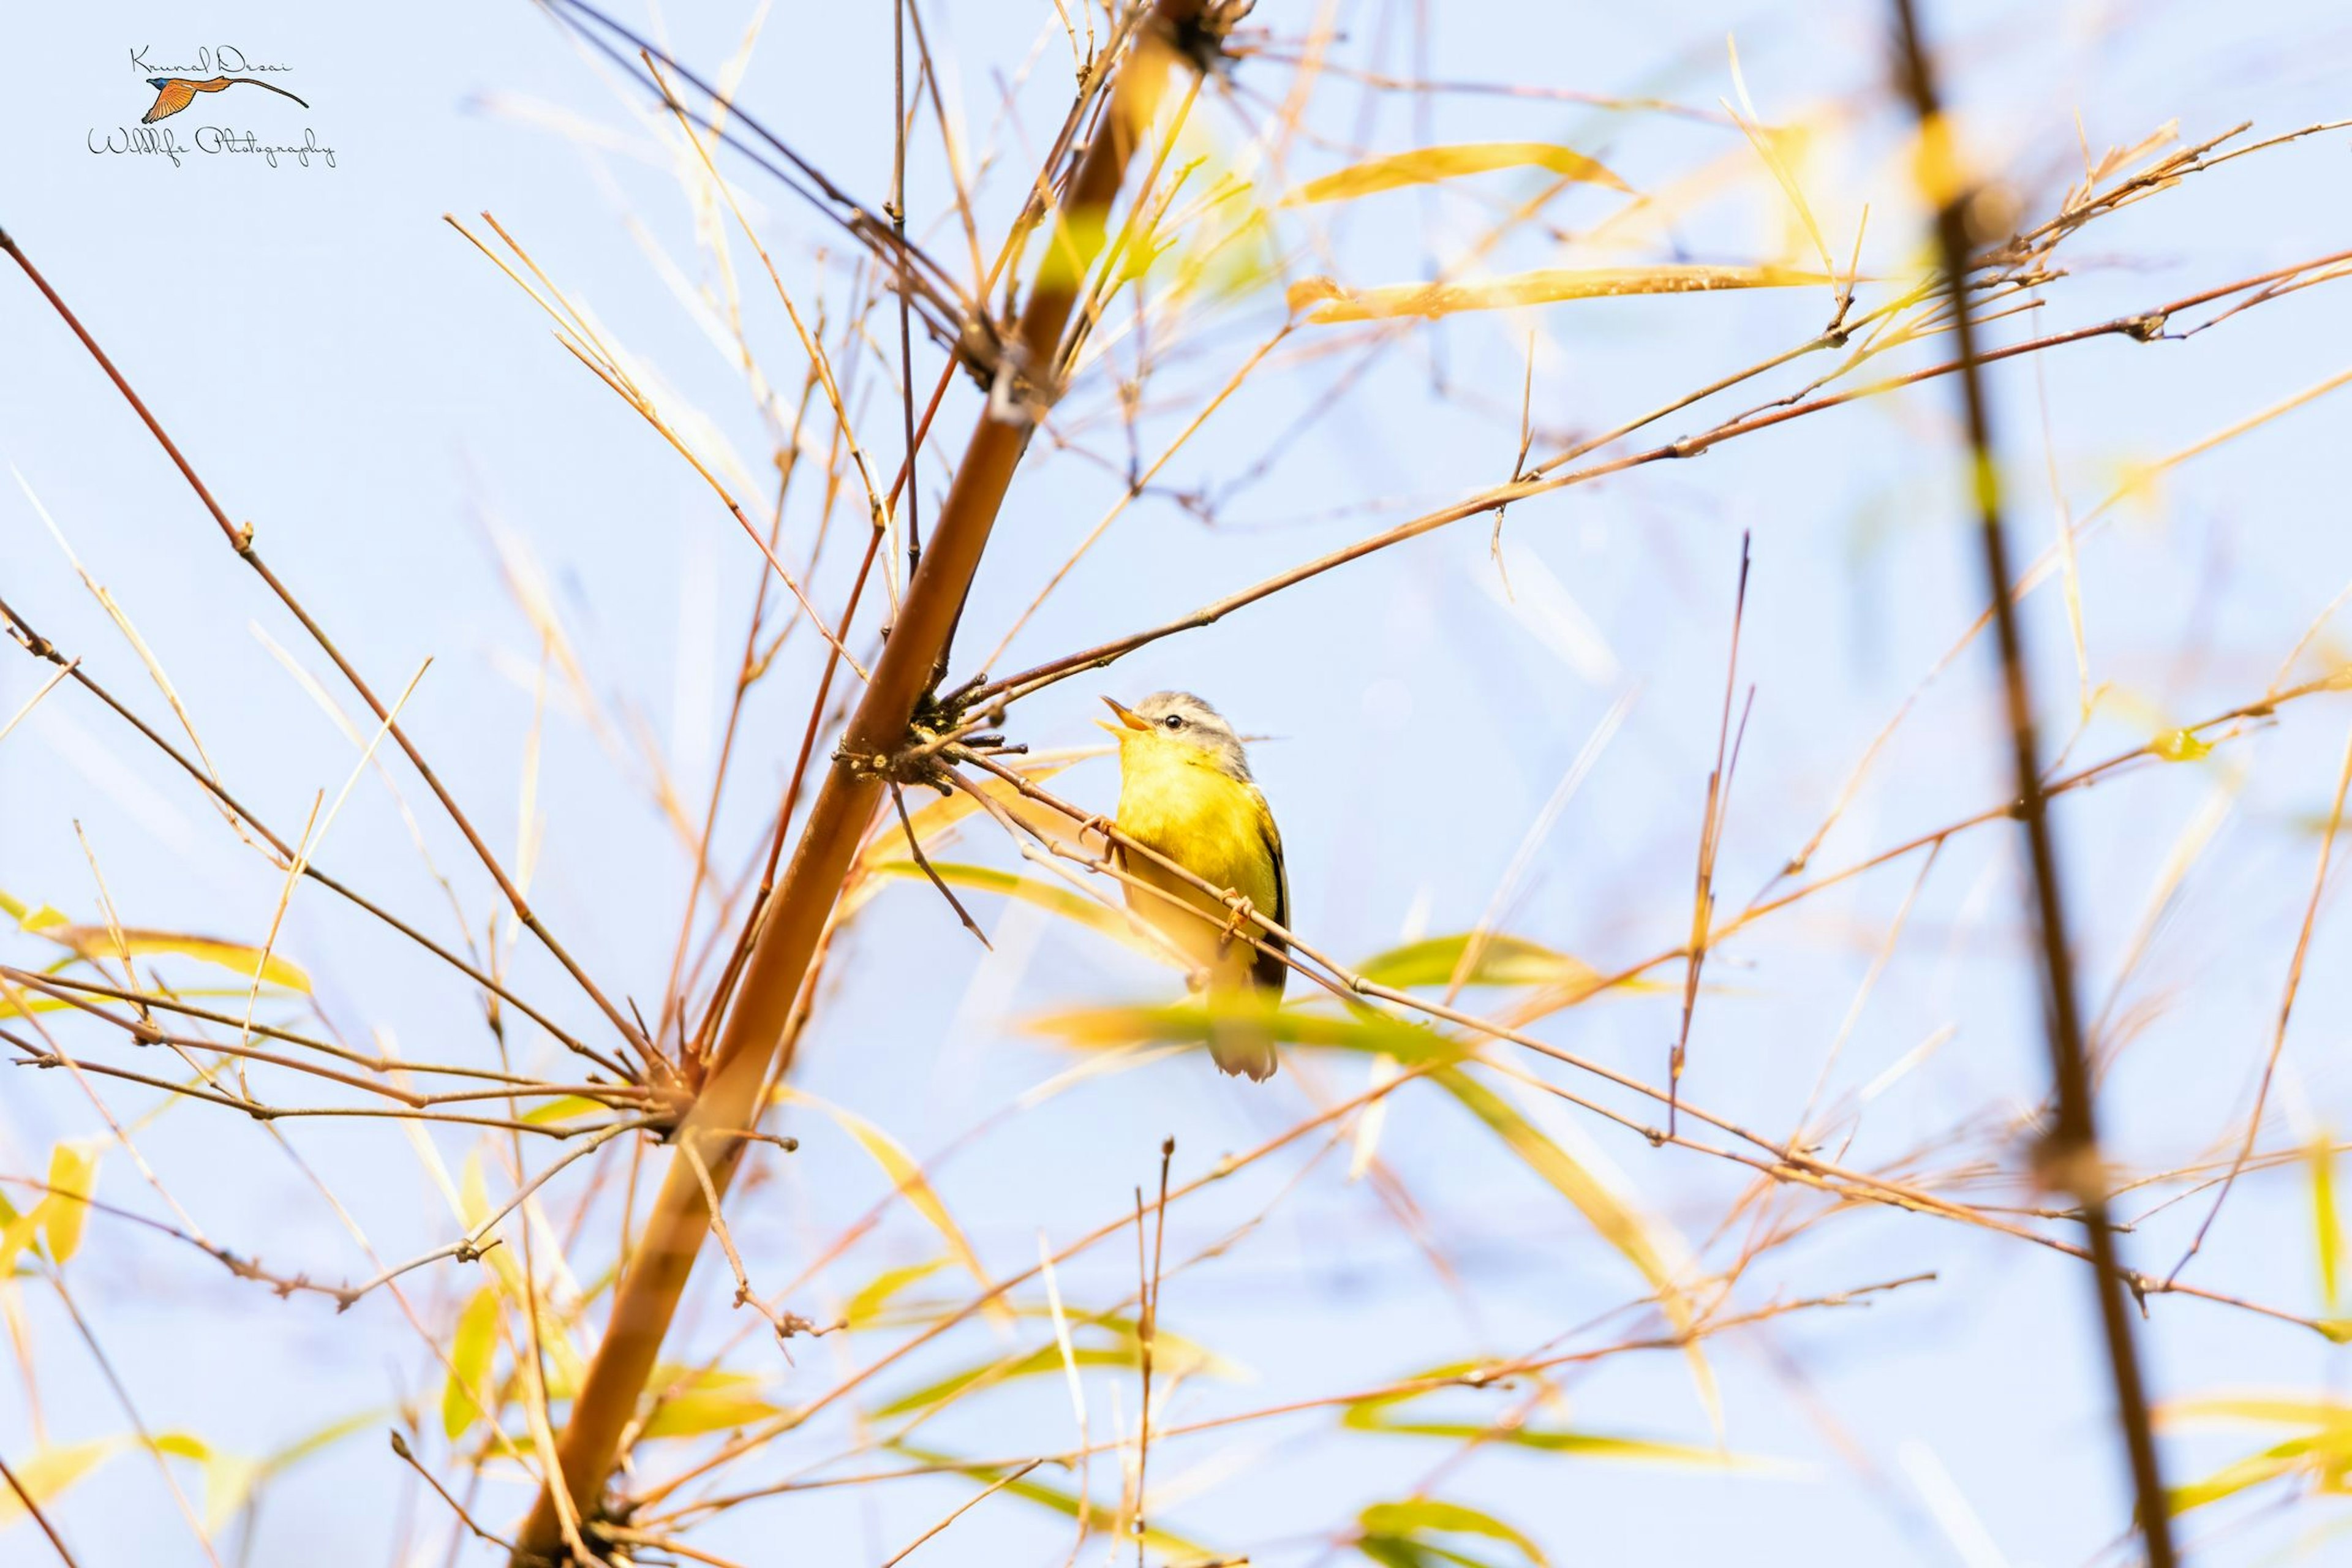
x=1180 y=716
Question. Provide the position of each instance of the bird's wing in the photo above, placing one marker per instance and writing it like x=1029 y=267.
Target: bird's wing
x=1268 y=970
x=176 y=96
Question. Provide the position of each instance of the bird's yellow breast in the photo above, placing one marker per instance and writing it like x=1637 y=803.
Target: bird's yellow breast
x=1213 y=825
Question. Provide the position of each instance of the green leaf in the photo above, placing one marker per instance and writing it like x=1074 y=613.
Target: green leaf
x=867 y=1305
x=710 y=1401
x=470 y=1355
x=1188 y=1023
x=1502 y=960
x=1408 y=1521
x=1428 y=166
x=73 y=1171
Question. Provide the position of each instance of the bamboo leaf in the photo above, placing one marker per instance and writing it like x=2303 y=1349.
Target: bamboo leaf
x=470 y=1355
x=1429 y=165
x=1588 y=1445
x=1067 y=902
x=1006 y=1369
x=2238 y=1476
x=1502 y=960
x=230 y=1479
x=710 y=1400
x=1616 y=1221
x=2260 y=1409
x=73 y=1171
x=876 y=1293
x=2329 y=1232
x=99 y=942
x=1068 y=1504
x=1325 y=302
x=2180 y=746
x=562 y=1107
x=905 y=1177
x=1410 y=1521
x=18 y=1232
x=1170 y=1354
x=1189 y=1023
x=185 y=1445
x=47 y=1472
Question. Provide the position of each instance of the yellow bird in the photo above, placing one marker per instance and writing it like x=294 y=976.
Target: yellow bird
x=1185 y=792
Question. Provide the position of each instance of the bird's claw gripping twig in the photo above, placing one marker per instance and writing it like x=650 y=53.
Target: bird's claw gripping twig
x=1243 y=910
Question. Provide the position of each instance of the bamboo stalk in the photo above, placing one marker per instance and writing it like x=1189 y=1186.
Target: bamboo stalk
x=795 y=918
x=2069 y=1157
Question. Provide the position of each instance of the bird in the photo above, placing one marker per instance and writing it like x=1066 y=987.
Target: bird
x=1185 y=792
x=174 y=93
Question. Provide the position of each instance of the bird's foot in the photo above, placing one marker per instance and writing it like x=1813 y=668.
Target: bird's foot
x=1243 y=913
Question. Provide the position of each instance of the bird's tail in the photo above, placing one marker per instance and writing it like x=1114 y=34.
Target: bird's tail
x=1241 y=1034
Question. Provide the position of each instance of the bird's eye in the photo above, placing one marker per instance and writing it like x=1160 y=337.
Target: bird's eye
x=1174 y=720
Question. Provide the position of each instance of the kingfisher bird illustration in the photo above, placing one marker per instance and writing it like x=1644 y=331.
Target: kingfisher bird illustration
x=174 y=93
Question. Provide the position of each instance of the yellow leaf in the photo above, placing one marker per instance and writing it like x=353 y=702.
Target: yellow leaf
x=1404 y=1522
x=469 y=1362
x=1618 y=1224
x=98 y=942
x=1188 y=1023
x=566 y=1367
x=73 y=1171
x=562 y=1107
x=17 y=1233
x=2180 y=746
x=1171 y=1354
x=27 y=918
x=1097 y=1516
x=1067 y=902
x=1427 y=165
x=1501 y=961
x=905 y=1177
x=876 y=1293
x=2258 y=1409
x=2324 y=1221
x=710 y=1400
x=2233 y=1478
x=1325 y=302
x=46 y=1472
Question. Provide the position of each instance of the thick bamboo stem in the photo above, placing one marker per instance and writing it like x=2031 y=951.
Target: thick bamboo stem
x=2069 y=1158
x=796 y=918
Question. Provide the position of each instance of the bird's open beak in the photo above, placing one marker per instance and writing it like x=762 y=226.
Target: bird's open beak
x=1128 y=718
